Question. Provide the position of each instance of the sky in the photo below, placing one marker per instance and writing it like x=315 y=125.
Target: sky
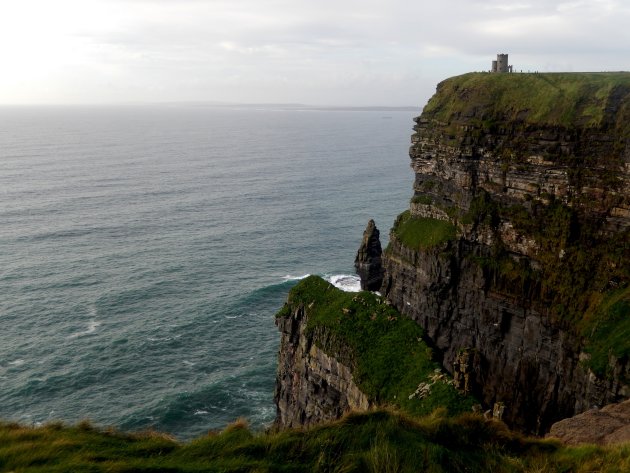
x=316 y=52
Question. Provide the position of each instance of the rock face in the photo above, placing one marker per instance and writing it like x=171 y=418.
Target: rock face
x=599 y=426
x=368 y=260
x=541 y=208
x=311 y=386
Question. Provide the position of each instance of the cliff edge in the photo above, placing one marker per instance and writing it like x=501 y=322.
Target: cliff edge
x=343 y=351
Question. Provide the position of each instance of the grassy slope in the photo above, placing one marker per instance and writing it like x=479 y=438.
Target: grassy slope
x=567 y=99
x=379 y=441
x=389 y=355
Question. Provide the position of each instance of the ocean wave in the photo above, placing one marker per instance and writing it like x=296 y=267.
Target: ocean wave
x=289 y=277
x=91 y=328
x=345 y=282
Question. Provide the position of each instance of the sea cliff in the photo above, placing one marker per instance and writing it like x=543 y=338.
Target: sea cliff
x=514 y=255
x=526 y=286
x=343 y=351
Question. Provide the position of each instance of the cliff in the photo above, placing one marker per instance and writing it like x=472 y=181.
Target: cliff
x=514 y=255
x=312 y=386
x=344 y=351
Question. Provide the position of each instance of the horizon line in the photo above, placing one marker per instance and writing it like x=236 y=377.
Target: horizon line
x=217 y=104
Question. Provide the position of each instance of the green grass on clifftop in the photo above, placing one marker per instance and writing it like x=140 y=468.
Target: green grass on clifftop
x=567 y=99
x=422 y=233
x=374 y=442
x=386 y=350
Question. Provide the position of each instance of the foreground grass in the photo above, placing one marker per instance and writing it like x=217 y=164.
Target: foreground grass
x=378 y=441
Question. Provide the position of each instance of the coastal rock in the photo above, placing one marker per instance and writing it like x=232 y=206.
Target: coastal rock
x=605 y=426
x=368 y=263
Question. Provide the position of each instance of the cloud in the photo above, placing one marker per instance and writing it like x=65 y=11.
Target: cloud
x=322 y=52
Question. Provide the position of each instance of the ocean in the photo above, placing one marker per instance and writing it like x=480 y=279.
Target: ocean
x=144 y=251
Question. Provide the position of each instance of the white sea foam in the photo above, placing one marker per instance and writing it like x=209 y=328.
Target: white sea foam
x=188 y=363
x=91 y=328
x=18 y=362
x=290 y=277
x=345 y=282
x=201 y=412
x=264 y=415
x=163 y=339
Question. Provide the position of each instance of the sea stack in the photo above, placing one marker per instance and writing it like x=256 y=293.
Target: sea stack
x=368 y=261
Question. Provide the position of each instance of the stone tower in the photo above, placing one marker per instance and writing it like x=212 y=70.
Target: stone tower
x=501 y=64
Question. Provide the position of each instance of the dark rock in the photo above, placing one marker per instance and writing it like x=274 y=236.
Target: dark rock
x=368 y=263
x=311 y=386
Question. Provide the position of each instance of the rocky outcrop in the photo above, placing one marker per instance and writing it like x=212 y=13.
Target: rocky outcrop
x=605 y=426
x=311 y=386
x=368 y=263
x=541 y=208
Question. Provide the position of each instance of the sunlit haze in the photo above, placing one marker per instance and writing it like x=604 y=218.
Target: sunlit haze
x=351 y=52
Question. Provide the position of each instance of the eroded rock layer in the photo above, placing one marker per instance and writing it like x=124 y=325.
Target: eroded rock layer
x=515 y=252
x=311 y=386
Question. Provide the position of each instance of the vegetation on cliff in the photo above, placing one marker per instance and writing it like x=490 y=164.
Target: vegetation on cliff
x=581 y=276
x=377 y=441
x=390 y=361
x=553 y=99
x=422 y=233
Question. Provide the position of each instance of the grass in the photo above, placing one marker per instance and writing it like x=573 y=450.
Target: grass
x=386 y=351
x=555 y=99
x=376 y=441
x=421 y=199
x=423 y=233
x=608 y=330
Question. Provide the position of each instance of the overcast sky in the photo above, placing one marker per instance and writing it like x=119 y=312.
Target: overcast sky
x=319 y=52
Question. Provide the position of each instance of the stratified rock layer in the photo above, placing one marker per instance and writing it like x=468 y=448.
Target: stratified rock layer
x=542 y=210
x=368 y=263
x=311 y=386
